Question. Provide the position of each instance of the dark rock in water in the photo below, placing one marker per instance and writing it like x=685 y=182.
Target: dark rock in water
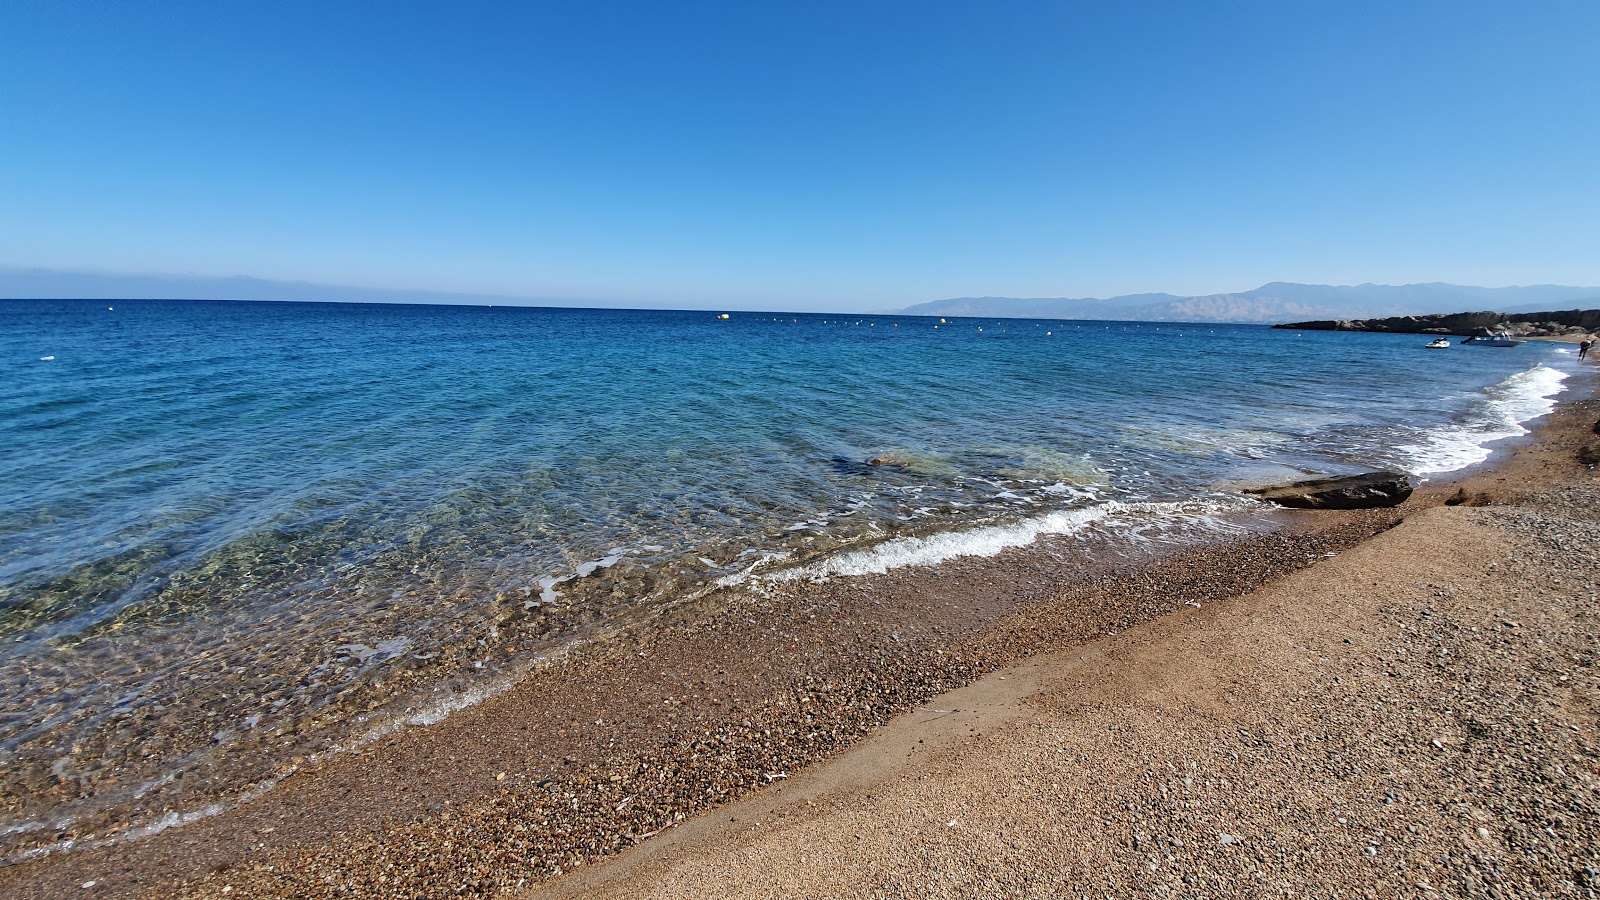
x=868 y=466
x=848 y=466
x=1373 y=489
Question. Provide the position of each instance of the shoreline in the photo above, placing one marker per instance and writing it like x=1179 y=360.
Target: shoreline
x=419 y=812
x=1416 y=716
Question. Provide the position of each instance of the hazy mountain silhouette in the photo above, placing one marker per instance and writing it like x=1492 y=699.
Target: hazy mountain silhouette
x=1276 y=302
x=56 y=284
x=1271 y=303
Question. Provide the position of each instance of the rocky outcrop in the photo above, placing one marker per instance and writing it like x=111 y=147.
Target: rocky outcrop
x=1538 y=324
x=1367 y=491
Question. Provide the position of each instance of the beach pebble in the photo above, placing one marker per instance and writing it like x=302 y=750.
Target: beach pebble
x=1308 y=779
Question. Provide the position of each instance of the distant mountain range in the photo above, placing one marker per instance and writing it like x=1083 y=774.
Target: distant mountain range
x=1279 y=301
x=57 y=284
x=1269 y=304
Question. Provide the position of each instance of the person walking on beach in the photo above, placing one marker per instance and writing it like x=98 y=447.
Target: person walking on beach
x=1583 y=347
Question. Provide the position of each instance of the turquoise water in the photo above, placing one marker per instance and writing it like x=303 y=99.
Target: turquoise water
x=229 y=531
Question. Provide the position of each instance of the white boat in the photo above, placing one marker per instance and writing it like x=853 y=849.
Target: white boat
x=1498 y=339
x=1437 y=344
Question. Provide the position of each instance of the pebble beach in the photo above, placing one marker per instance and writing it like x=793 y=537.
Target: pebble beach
x=1412 y=717
x=1374 y=703
x=557 y=452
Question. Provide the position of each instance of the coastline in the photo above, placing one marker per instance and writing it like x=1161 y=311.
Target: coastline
x=1417 y=716
x=653 y=726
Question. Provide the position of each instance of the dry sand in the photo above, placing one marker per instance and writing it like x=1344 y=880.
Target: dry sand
x=1314 y=710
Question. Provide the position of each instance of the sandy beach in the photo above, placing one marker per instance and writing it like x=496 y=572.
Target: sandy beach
x=1371 y=703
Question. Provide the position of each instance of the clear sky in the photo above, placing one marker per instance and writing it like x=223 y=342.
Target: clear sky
x=815 y=155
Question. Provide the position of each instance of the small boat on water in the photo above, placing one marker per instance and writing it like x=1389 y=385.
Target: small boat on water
x=1437 y=344
x=1498 y=339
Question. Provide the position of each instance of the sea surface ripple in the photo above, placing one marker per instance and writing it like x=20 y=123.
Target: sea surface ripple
x=234 y=534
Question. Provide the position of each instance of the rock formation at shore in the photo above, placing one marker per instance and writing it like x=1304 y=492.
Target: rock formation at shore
x=1536 y=324
x=1371 y=490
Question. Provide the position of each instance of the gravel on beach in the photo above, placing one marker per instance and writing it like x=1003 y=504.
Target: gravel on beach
x=1414 y=717
x=1340 y=708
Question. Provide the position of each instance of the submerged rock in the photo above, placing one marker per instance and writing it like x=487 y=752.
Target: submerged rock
x=1365 y=491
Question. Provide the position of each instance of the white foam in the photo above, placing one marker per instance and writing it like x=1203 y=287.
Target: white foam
x=25 y=827
x=454 y=701
x=170 y=820
x=763 y=558
x=586 y=569
x=989 y=540
x=442 y=710
x=431 y=715
x=547 y=588
x=385 y=651
x=1518 y=399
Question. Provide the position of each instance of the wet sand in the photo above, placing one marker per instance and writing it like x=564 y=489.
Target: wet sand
x=1094 y=686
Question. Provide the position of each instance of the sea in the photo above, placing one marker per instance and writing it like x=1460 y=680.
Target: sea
x=235 y=535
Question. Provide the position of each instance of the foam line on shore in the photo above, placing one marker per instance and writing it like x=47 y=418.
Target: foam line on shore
x=1134 y=520
x=1506 y=406
x=1501 y=414
x=170 y=819
x=430 y=714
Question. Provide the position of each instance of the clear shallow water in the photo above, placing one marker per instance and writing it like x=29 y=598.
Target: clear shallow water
x=228 y=531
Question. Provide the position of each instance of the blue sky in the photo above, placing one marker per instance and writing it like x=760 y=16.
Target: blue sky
x=812 y=155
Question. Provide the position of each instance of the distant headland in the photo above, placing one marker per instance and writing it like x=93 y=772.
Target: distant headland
x=1533 y=324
